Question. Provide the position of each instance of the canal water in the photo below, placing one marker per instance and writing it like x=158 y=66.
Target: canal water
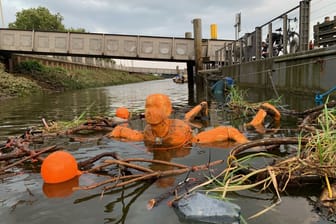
x=26 y=199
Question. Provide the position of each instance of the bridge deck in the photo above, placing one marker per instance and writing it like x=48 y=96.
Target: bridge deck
x=105 y=45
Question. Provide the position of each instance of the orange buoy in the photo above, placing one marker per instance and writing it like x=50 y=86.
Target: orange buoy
x=122 y=112
x=58 y=167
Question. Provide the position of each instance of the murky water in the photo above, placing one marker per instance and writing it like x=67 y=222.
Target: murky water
x=25 y=199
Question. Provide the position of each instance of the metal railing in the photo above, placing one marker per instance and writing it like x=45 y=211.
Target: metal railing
x=280 y=41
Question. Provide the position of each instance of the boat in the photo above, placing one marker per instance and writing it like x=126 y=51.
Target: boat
x=180 y=79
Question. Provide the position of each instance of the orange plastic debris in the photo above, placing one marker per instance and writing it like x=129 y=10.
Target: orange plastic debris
x=59 y=166
x=121 y=131
x=122 y=112
x=218 y=134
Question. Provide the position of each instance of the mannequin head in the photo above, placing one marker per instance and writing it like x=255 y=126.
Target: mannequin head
x=158 y=108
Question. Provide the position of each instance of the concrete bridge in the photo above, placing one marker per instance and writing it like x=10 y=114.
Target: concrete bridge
x=97 y=45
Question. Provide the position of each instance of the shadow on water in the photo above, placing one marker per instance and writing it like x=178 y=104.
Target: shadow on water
x=25 y=199
x=126 y=197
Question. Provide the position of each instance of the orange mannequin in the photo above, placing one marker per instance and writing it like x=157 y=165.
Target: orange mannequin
x=258 y=121
x=161 y=132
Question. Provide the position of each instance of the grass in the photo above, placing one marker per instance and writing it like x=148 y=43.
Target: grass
x=32 y=77
x=316 y=158
x=16 y=86
x=238 y=103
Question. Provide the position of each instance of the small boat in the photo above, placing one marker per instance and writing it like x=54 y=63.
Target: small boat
x=180 y=79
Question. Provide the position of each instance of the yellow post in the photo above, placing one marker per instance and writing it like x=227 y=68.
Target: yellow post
x=213 y=29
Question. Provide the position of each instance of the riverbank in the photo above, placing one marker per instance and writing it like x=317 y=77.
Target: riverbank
x=31 y=78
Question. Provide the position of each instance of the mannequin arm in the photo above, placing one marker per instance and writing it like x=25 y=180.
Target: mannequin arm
x=126 y=133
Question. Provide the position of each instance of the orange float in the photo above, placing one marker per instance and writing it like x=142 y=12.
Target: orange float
x=58 y=167
x=122 y=112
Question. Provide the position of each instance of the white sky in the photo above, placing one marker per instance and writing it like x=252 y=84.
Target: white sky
x=170 y=18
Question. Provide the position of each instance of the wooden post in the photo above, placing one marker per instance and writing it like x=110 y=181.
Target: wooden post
x=270 y=41
x=241 y=44
x=304 y=25
x=190 y=72
x=198 y=58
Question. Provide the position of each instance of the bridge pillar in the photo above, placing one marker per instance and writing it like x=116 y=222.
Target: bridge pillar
x=8 y=62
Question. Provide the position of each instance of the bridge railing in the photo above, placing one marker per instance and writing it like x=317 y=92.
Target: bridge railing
x=274 y=42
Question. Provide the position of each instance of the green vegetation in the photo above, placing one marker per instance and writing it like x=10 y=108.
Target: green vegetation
x=40 y=19
x=31 y=77
x=11 y=85
x=315 y=157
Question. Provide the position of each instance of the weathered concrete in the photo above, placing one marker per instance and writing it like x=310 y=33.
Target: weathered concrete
x=305 y=72
x=98 y=45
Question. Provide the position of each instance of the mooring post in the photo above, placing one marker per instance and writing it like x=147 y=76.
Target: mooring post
x=270 y=40
x=198 y=58
x=304 y=25
x=190 y=72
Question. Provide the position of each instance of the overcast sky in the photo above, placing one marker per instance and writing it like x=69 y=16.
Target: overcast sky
x=166 y=18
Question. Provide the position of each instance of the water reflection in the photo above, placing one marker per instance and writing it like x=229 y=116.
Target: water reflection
x=60 y=190
x=16 y=115
x=167 y=155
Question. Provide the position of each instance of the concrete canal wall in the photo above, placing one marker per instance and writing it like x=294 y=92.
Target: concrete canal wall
x=305 y=72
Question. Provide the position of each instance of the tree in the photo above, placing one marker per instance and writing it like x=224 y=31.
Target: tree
x=38 y=19
x=75 y=30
